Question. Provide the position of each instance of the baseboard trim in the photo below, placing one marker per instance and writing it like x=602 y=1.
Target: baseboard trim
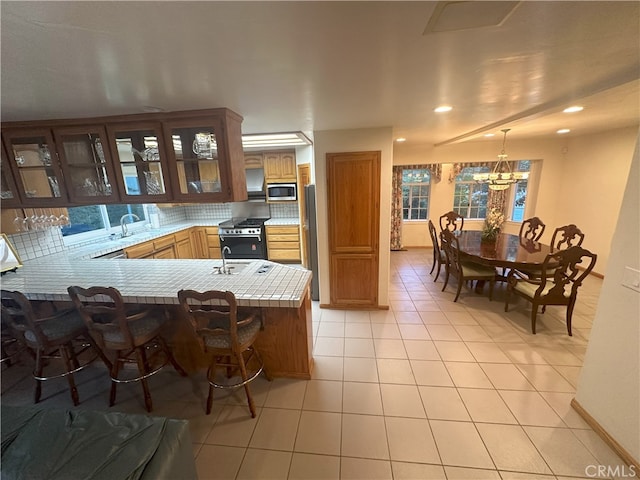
x=353 y=307
x=602 y=433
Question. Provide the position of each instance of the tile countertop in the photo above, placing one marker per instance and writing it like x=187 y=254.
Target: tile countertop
x=108 y=246
x=283 y=221
x=258 y=283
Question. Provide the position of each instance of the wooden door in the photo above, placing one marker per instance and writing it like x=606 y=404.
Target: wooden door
x=353 y=204
x=304 y=178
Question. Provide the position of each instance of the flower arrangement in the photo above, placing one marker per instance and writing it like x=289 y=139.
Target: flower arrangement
x=492 y=225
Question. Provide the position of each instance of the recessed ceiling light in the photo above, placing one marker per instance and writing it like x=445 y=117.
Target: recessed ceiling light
x=489 y=134
x=573 y=109
x=401 y=139
x=443 y=108
x=563 y=130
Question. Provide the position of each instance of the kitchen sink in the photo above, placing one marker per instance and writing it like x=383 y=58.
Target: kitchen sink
x=233 y=268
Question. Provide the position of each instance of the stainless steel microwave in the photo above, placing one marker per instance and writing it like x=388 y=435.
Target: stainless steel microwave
x=281 y=192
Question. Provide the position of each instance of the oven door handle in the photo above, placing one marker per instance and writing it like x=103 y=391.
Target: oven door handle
x=222 y=237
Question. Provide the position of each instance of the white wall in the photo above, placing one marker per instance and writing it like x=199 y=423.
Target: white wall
x=609 y=386
x=334 y=141
x=581 y=181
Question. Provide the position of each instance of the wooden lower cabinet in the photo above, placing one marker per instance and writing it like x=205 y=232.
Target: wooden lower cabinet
x=199 y=245
x=213 y=242
x=141 y=250
x=162 y=247
x=283 y=243
x=184 y=247
x=166 y=252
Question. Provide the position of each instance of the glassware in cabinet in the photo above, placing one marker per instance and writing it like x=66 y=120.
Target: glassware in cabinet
x=140 y=161
x=35 y=167
x=206 y=158
x=8 y=191
x=85 y=158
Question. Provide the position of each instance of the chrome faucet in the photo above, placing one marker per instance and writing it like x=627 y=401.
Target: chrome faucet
x=123 y=225
x=226 y=249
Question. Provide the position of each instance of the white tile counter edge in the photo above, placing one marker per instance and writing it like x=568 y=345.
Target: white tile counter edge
x=158 y=281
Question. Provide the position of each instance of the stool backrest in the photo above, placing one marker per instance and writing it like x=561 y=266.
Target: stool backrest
x=213 y=313
x=103 y=311
x=18 y=315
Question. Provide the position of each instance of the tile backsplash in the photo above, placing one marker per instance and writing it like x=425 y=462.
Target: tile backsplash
x=30 y=245
x=36 y=244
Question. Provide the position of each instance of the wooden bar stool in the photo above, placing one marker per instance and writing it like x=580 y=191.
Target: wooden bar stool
x=127 y=336
x=225 y=335
x=51 y=337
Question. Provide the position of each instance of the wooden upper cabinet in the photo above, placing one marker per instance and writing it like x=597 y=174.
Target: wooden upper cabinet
x=206 y=160
x=253 y=160
x=33 y=160
x=140 y=161
x=190 y=156
x=87 y=166
x=8 y=190
x=279 y=167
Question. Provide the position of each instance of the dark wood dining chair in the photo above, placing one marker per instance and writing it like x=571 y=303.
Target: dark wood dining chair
x=228 y=336
x=558 y=283
x=60 y=336
x=451 y=221
x=127 y=335
x=565 y=237
x=462 y=270
x=532 y=229
x=438 y=255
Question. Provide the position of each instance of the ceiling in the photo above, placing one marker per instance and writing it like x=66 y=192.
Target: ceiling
x=309 y=66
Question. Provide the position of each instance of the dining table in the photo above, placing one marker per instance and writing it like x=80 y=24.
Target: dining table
x=507 y=250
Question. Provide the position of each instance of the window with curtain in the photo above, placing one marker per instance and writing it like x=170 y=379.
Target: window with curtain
x=519 y=200
x=470 y=199
x=416 y=186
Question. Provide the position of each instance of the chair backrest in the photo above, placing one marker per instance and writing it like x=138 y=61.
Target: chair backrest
x=434 y=237
x=451 y=246
x=565 y=237
x=18 y=315
x=561 y=268
x=103 y=311
x=532 y=229
x=213 y=313
x=451 y=221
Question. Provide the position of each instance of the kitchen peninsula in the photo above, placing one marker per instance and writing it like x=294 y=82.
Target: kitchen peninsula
x=280 y=291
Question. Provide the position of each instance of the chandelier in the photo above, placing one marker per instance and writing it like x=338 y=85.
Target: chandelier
x=501 y=177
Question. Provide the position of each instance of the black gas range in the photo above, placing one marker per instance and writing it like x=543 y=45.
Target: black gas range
x=244 y=238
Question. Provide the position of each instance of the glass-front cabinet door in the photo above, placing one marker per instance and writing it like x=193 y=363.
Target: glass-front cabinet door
x=86 y=162
x=35 y=166
x=196 y=150
x=8 y=190
x=140 y=162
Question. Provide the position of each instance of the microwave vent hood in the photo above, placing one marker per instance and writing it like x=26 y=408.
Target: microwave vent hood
x=255 y=180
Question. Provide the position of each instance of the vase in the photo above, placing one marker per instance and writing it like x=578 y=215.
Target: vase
x=489 y=236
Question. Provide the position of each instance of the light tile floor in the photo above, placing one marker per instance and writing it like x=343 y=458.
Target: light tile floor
x=429 y=389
